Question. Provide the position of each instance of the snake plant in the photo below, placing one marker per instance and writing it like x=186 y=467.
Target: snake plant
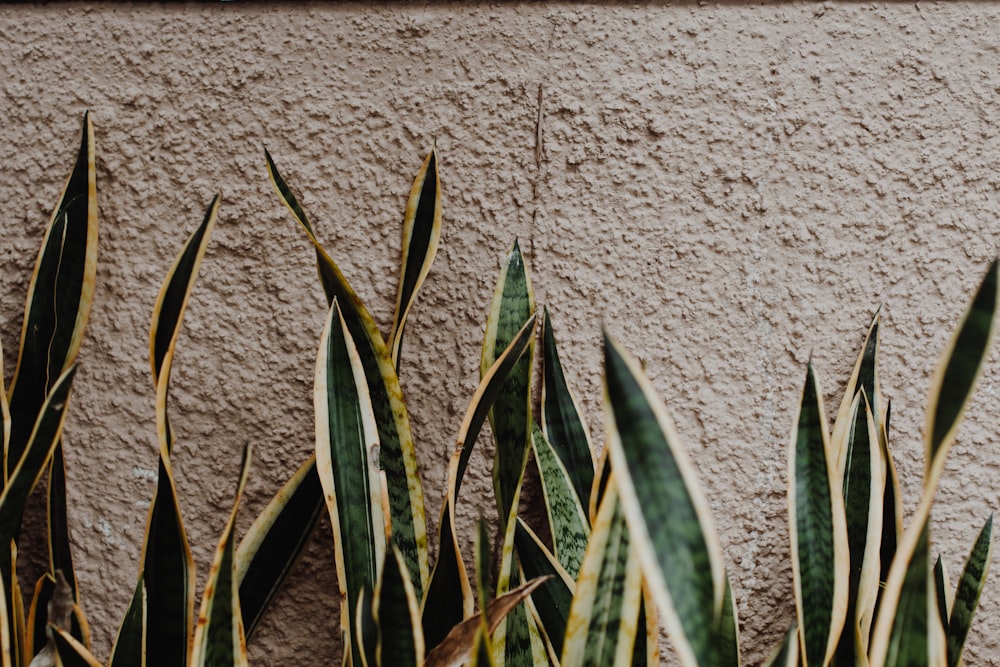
x=631 y=535
x=867 y=592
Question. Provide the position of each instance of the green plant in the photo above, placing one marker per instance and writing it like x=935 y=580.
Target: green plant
x=34 y=407
x=866 y=592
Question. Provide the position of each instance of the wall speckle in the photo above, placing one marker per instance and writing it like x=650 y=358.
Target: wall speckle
x=728 y=189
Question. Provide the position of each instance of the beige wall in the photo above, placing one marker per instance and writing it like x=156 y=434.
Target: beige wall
x=728 y=189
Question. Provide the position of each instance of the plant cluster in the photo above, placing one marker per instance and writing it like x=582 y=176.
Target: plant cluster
x=631 y=532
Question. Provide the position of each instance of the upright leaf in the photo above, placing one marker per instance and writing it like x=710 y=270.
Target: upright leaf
x=863 y=492
x=951 y=387
x=59 y=299
x=167 y=568
x=347 y=463
x=219 y=640
x=568 y=520
x=970 y=585
x=510 y=418
x=421 y=234
x=603 y=619
x=129 y=649
x=397 y=457
x=667 y=514
x=397 y=614
x=562 y=422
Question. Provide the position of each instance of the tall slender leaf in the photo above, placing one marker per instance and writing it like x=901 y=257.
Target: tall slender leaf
x=130 y=644
x=219 y=639
x=668 y=517
x=397 y=614
x=568 y=520
x=953 y=382
x=167 y=567
x=421 y=234
x=347 y=463
x=820 y=557
x=397 y=457
x=562 y=422
x=510 y=418
x=863 y=491
x=59 y=298
x=603 y=619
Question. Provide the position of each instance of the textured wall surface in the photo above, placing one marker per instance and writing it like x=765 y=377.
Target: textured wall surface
x=728 y=189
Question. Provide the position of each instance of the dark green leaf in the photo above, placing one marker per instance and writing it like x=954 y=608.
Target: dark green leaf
x=510 y=417
x=397 y=457
x=421 y=233
x=59 y=298
x=347 y=463
x=960 y=367
x=970 y=585
x=818 y=531
x=668 y=516
x=561 y=420
x=268 y=552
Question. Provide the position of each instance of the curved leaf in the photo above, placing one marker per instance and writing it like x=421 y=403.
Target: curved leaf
x=397 y=456
x=167 y=568
x=449 y=596
x=667 y=514
x=59 y=298
x=958 y=371
x=421 y=234
x=458 y=645
x=268 y=552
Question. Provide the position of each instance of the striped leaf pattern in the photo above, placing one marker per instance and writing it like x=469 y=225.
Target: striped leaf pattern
x=449 y=595
x=59 y=299
x=562 y=422
x=668 y=517
x=397 y=457
x=275 y=541
x=603 y=618
x=818 y=531
x=970 y=585
x=347 y=463
x=421 y=235
x=397 y=615
x=568 y=521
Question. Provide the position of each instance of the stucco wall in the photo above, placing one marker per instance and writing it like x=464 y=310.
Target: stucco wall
x=728 y=189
